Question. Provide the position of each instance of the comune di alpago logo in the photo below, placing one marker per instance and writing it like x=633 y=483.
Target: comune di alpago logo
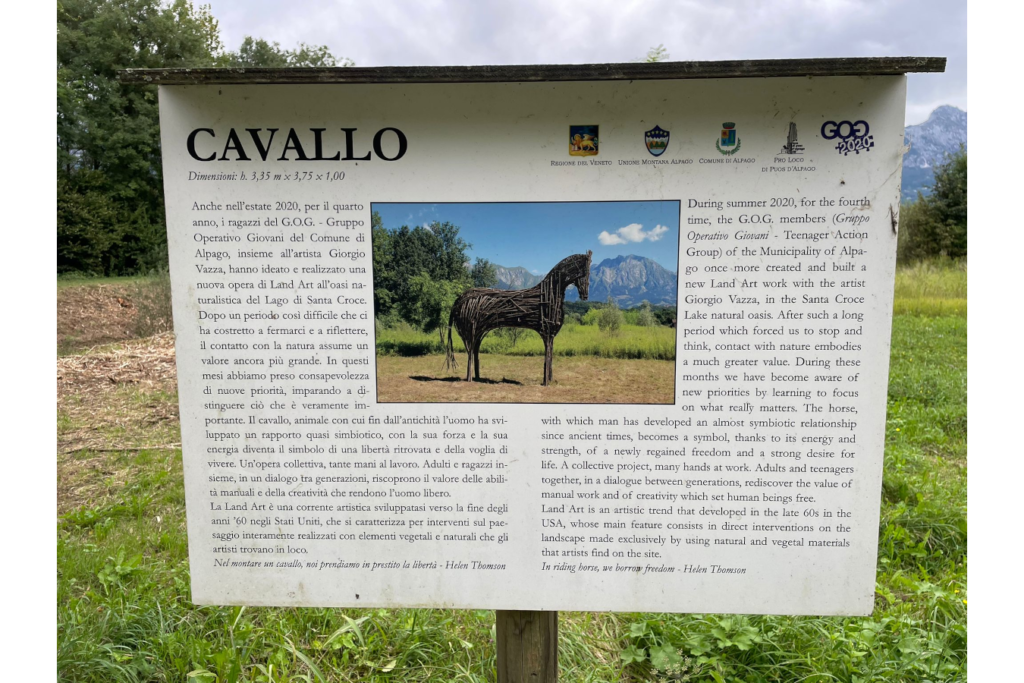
x=853 y=137
x=729 y=142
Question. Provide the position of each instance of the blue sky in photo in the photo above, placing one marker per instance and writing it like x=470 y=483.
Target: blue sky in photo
x=537 y=235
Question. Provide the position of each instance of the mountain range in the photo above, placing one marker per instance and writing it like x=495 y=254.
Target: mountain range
x=943 y=133
x=629 y=280
x=515 y=278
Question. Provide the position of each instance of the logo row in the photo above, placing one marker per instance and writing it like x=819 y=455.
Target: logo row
x=852 y=136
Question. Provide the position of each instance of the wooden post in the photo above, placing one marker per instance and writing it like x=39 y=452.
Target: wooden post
x=527 y=644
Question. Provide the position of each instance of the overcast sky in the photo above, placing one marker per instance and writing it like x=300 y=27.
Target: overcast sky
x=454 y=32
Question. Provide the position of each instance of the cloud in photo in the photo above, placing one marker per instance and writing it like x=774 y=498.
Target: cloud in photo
x=634 y=232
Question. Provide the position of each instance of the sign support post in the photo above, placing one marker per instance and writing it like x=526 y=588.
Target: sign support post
x=527 y=645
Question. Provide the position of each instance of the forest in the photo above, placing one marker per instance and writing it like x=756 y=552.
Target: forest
x=110 y=206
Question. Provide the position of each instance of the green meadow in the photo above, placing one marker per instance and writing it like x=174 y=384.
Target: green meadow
x=124 y=613
x=656 y=342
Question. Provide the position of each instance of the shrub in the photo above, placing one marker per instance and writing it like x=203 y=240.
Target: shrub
x=152 y=299
x=511 y=335
x=591 y=316
x=610 y=318
x=645 y=317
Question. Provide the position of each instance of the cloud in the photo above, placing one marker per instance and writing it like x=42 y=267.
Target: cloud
x=634 y=232
x=608 y=239
x=442 y=32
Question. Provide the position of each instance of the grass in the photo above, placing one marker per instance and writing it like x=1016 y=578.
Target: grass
x=122 y=570
x=931 y=288
x=517 y=379
x=80 y=280
x=629 y=342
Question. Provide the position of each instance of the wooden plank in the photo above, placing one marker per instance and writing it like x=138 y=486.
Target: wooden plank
x=527 y=644
x=764 y=68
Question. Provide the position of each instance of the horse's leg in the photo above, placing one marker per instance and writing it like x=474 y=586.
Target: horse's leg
x=551 y=360
x=547 y=359
x=469 y=360
x=476 y=358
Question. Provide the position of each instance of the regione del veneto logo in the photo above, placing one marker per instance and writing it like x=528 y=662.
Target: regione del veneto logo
x=583 y=141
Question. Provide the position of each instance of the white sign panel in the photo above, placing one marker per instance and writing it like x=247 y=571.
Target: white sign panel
x=703 y=434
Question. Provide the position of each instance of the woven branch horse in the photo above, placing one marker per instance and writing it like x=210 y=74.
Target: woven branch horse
x=541 y=308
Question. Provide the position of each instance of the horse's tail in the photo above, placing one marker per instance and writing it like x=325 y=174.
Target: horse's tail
x=450 y=363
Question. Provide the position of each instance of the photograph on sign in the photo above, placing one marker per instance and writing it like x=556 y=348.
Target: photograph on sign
x=520 y=318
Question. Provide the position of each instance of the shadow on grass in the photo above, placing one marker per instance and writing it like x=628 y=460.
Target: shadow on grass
x=482 y=380
x=406 y=348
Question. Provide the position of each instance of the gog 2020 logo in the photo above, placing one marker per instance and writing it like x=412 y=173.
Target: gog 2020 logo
x=853 y=137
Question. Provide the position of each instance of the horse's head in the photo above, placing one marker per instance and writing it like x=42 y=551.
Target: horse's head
x=574 y=270
x=582 y=279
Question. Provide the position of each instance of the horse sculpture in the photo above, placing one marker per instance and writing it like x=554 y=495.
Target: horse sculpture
x=541 y=308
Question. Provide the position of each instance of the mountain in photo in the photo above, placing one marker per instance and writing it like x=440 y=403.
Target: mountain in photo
x=629 y=280
x=930 y=142
x=515 y=278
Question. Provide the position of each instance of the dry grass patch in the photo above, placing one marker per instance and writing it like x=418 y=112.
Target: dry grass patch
x=92 y=315
x=121 y=398
x=516 y=379
x=112 y=401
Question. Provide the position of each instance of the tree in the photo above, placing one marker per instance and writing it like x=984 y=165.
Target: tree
x=665 y=315
x=110 y=216
x=511 y=335
x=936 y=224
x=484 y=274
x=949 y=204
x=610 y=318
x=256 y=52
x=110 y=213
x=383 y=266
x=592 y=316
x=451 y=251
x=645 y=318
x=430 y=301
x=409 y=265
x=436 y=251
x=657 y=54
